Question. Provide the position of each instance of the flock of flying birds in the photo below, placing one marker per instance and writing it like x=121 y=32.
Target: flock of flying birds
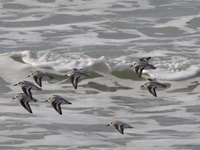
x=56 y=100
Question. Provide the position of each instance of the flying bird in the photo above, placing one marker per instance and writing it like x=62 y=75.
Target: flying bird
x=119 y=126
x=142 y=64
x=152 y=84
x=74 y=75
x=56 y=102
x=24 y=100
x=38 y=76
x=27 y=86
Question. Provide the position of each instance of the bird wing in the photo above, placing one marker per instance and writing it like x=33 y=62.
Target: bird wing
x=39 y=80
x=137 y=69
x=121 y=129
x=118 y=129
x=140 y=71
x=162 y=85
x=36 y=80
x=57 y=107
x=150 y=79
x=49 y=76
x=145 y=59
x=25 y=104
x=74 y=80
x=27 y=91
x=84 y=74
x=152 y=90
x=63 y=100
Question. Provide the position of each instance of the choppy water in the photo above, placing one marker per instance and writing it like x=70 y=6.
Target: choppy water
x=104 y=38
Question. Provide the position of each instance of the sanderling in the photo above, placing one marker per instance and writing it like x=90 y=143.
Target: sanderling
x=142 y=64
x=152 y=84
x=38 y=76
x=74 y=75
x=24 y=100
x=56 y=101
x=27 y=86
x=119 y=126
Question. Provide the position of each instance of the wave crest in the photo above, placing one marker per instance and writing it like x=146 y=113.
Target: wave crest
x=175 y=69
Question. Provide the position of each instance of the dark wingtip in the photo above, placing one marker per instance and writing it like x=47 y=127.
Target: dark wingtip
x=30 y=111
x=148 y=58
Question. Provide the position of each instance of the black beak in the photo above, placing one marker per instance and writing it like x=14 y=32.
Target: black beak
x=46 y=100
x=131 y=65
x=108 y=125
x=28 y=76
x=15 y=85
x=13 y=98
x=142 y=85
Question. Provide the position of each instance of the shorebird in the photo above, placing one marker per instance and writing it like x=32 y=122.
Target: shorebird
x=74 y=75
x=56 y=102
x=152 y=84
x=142 y=64
x=27 y=86
x=24 y=100
x=38 y=76
x=119 y=126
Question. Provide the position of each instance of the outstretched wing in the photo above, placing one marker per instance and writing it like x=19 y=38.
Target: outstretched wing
x=121 y=129
x=152 y=90
x=150 y=79
x=74 y=80
x=39 y=81
x=140 y=71
x=137 y=69
x=25 y=104
x=57 y=107
x=36 y=80
x=145 y=59
x=27 y=91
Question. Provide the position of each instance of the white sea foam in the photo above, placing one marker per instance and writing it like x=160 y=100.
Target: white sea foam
x=175 y=69
x=101 y=36
x=180 y=23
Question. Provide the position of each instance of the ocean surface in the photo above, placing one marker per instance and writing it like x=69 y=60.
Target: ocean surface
x=103 y=37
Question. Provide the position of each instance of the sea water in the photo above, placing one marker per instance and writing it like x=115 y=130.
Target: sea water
x=103 y=37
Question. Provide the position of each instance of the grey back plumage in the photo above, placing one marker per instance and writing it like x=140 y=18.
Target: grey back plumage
x=119 y=126
x=27 y=86
x=74 y=75
x=141 y=65
x=24 y=101
x=152 y=84
x=56 y=102
x=38 y=76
